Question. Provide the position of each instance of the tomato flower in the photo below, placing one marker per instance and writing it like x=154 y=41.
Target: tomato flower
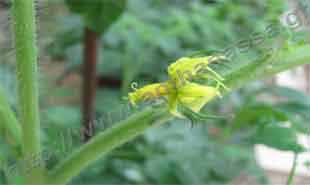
x=179 y=90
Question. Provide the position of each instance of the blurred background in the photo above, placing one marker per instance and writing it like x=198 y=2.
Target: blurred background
x=91 y=52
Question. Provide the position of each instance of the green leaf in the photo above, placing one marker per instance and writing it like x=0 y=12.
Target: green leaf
x=98 y=15
x=255 y=114
x=281 y=138
x=298 y=114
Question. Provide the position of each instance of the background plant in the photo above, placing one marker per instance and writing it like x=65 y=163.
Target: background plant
x=140 y=161
x=104 y=12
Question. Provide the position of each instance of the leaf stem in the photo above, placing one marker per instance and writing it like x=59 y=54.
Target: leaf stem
x=269 y=65
x=8 y=121
x=293 y=170
x=23 y=13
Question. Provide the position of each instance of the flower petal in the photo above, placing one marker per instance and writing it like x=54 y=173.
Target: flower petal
x=195 y=96
x=149 y=92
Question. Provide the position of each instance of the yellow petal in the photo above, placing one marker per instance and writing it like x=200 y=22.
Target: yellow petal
x=149 y=92
x=195 y=96
x=185 y=69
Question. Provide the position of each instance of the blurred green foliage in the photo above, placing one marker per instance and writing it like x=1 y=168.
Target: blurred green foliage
x=152 y=34
x=138 y=47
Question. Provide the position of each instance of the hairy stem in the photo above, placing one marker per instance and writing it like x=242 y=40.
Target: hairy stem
x=106 y=141
x=138 y=123
x=23 y=13
x=268 y=66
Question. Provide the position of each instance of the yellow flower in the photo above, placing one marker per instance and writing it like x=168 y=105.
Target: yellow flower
x=179 y=90
x=192 y=96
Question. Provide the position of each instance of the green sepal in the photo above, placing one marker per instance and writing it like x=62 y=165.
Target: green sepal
x=195 y=117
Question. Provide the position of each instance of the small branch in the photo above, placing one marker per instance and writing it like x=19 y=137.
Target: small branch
x=89 y=82
x=110 y=82
x=106 y=141
x=268 y=66
x=293 y=170
x=23 y=13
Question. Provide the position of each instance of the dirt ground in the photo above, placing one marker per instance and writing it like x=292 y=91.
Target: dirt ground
x=274 y=177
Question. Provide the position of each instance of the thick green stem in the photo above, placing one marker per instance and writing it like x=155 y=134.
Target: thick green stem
x=138 y=123
x=293 y=170
x=23 y=13
x=106 y=141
